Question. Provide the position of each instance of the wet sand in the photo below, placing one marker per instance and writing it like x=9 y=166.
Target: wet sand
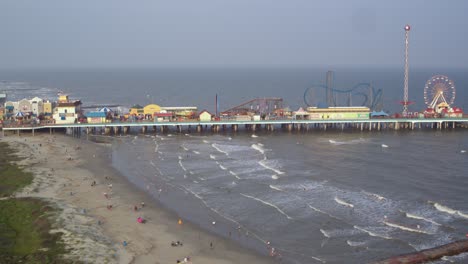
x=65 y=169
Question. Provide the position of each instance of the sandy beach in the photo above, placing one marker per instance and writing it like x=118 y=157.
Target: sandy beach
x=99 y=221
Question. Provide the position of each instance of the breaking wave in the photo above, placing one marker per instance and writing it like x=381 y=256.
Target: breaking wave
x=448 y=210
x=219 y=150
x=267 y=203
x=339 y=201
x=258 y=148
x=405 y=228
x=275 y=188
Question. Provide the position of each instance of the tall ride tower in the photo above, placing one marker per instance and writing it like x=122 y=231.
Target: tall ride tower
x=330 y=89
x=405 y=96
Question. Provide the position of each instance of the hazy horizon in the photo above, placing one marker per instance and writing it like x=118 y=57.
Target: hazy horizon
x=226 y=34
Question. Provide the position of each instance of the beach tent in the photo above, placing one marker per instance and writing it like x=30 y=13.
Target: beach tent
x=105 y=110
x=19 y=115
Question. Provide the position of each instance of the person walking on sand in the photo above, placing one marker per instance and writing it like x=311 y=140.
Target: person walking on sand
x=211 y=245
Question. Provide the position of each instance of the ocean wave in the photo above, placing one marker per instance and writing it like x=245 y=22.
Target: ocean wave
x=370 y=233
x=254 y=136
x=258 y=148
x=274 y=177
x=213 y=157
x=324 y=233
x=413 y=216
x=182 y=166
x=234 y=174
x=184 y=148
x=222 y=167
x=339 y=201
x=350 y=142
x=218 y=149
x=448 y=210
x=275 y=188
x=380 y=198
x=196 y=152
x=355 y=243
x=262 y=163
x=405 y=228
x=206 y=141
x=267 y=203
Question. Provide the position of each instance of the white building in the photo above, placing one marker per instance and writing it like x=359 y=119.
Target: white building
x=66 y=111
x=37 y=106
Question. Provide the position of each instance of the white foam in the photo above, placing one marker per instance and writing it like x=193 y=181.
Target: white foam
x=222 y=167
x=262 y=163
x=219 y=150
x=182 y=166
x=384 y=146
x=260 y=144
x=379 y=197
x=229 y=138
x=371 y=233
x=180 y=157
x=258 y=148
x=324 y=233
x=274 y=177
x=332 y=141
x=234 y=174
x=355 y=243
x=254 y=136
x=275 y=188
x=448 y=210
x=405 y=228
x=213 y=157
x=462 y=151
x=206 y=141
x=409 y=215
x=196 y=152
x=267 y=203
x=186 y=149
x=339 y=201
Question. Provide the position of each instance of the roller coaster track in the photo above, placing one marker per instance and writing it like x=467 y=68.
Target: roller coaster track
x=372 y=104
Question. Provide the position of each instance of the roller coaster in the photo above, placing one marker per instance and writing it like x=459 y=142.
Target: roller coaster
x=361 y=94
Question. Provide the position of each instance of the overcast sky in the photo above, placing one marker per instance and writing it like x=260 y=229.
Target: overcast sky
x=231 y=33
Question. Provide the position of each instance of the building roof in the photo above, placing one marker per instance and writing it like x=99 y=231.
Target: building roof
x=205 y=111
x=68 y=104
x=105 y=110
x=96 y=114
x=137 y=106
x=381 y=113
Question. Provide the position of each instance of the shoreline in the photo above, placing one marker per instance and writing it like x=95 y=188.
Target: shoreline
x=64 y=169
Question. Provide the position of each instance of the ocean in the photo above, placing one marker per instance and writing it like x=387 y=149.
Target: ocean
x=316 y=197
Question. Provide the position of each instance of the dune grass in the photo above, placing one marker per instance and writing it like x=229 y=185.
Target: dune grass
x=24 y=222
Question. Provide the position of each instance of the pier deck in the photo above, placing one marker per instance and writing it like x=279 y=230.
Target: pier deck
x=287 y=124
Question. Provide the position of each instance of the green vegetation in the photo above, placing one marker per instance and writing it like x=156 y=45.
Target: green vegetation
x=24 y=233
x=24 y=222
x=12 y=178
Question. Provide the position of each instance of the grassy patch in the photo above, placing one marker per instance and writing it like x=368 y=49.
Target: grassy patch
x=24 y=223
x=24 y=233
x=12 y=177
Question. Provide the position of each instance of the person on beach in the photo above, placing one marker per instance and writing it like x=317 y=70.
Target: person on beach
x=142 y=204
x=211 y=245
x=135 y=208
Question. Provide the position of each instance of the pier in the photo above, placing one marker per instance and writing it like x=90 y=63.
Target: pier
x=288 y=125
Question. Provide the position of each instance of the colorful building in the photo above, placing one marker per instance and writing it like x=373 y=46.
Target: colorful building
x=66 y=111
x=151 y=109
x=97 y=117
x=136 y=110
x=339 y=113
x=205 y=116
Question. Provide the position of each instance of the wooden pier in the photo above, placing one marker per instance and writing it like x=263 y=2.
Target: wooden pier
x=234 y=126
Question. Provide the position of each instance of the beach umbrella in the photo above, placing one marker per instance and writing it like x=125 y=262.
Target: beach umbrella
x=105 y=109
x=19 y=115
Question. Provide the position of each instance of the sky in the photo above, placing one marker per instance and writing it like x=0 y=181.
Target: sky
x=231 y=33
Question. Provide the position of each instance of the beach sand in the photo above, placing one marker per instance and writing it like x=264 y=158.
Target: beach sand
x=65 y=168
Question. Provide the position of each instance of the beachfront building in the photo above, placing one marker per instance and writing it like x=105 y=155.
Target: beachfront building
x=339 y=112
x=97 y=117
x=10 y=109
x=205 y=116
x=24 y=105
x=181 y=113
x=67 y=111
x=136 y=110
x=150 y=110
x=301 y=114
x=48 y=108
x=37 y=106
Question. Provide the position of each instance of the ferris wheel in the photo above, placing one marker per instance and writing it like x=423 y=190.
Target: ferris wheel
x=438 y=89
